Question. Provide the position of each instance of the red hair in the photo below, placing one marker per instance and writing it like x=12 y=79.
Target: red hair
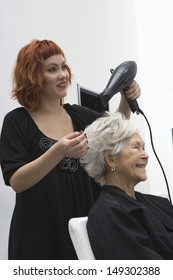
x=27 y=77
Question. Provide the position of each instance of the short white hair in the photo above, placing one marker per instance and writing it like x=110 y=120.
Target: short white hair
x=109 y=133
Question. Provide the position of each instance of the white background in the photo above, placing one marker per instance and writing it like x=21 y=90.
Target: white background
x=97 y=35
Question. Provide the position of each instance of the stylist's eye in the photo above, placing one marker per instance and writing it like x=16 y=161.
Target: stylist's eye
x=52 y=69
x=64 y=67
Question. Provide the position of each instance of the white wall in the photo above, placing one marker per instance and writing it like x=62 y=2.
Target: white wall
x=10 y=42
x=96 y=35
x=155 y=45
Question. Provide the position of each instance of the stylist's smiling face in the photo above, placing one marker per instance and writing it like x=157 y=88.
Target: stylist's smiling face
x=56 y=76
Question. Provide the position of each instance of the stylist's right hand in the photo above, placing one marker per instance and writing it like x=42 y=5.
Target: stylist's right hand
x=73 y=145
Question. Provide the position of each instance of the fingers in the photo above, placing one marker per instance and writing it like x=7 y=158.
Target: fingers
x=74 y=134
x=80 y=145
x=74 y=144
x=133 y=91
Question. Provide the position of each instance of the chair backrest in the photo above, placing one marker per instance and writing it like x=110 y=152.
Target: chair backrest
x=79 y=236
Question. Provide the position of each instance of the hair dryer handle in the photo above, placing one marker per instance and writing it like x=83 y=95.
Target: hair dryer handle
x=133 y=104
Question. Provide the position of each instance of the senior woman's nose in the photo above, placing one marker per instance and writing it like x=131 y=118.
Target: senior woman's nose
x=144 y=155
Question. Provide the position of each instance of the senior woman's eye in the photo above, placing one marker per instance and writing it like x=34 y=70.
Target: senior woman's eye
x=135 y=146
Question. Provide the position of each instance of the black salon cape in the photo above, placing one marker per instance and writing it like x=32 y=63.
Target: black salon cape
x=123 y=228
x=39 y=226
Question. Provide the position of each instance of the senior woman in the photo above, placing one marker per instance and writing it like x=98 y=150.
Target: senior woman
x=124 y=223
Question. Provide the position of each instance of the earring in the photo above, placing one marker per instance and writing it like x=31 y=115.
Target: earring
x=113 y=169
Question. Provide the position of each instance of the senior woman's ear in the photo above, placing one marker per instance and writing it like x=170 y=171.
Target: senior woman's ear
x=110 y=160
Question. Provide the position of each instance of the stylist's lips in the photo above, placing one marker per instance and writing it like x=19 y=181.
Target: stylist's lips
x=62 y=85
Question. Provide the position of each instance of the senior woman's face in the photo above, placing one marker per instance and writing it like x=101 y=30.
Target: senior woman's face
x=132 y=162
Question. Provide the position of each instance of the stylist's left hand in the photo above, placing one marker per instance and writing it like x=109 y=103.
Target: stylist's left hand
x=133 y=91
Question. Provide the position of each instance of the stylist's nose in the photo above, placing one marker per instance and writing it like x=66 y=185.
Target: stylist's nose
x=62 y=74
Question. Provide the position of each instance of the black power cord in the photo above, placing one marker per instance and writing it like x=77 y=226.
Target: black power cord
x=133 y=104
x=151 y=138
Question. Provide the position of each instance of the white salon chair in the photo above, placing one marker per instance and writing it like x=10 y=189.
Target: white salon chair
x=79 y=236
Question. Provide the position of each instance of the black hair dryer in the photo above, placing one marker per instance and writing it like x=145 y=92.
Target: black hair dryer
x=120 y=79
